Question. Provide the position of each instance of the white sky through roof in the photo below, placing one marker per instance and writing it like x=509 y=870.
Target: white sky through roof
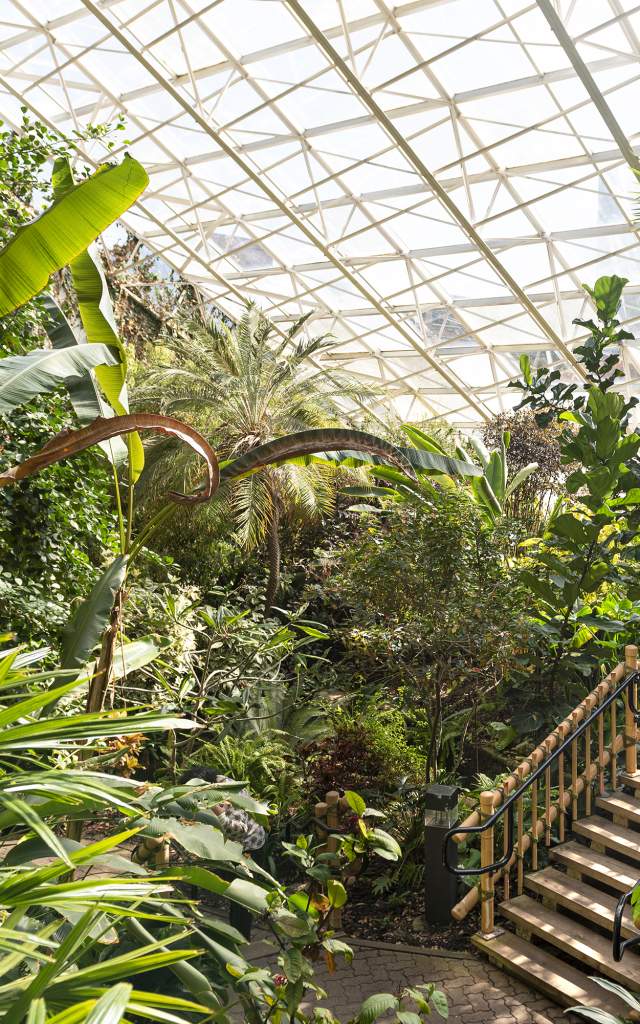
x=433 y=179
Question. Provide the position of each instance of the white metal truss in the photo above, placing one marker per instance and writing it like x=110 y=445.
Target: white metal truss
x=432 y=179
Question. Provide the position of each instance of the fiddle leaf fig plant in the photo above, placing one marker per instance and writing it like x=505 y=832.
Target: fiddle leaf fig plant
x=589 y=549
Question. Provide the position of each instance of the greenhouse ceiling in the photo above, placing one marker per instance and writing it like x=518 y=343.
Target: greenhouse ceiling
x=433 y=180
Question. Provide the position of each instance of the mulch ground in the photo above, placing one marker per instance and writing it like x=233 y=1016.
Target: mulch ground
x=401 y=919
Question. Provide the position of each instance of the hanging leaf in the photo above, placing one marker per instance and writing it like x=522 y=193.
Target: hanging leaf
x=88 y=624
x=132 y=656
x=44 y=369
x=65 y=230
x=86 y=399
x=73 y=441
x=309 y=442
x=96 y=313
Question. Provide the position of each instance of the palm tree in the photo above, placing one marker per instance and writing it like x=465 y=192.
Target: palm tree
x=244 y=387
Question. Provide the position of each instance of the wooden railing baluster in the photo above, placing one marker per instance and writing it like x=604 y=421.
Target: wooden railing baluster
x=630 y=727
x=520 y=841
x=547 y=799
x=487 y=884
x=613 y=770
x=561 y=807
x=587 y=770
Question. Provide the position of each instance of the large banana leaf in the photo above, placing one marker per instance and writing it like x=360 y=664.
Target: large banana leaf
x=83 y=631
x=86 y=399
x=310 y=442
x=65 y=230
x=421 y=440
x=96 y=313
x=73 y=441
x=43 y=369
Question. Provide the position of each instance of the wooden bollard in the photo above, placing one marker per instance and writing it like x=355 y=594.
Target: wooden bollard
x=630 y=727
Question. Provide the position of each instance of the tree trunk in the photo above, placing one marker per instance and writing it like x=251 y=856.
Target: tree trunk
x=98 y=690
x=273 y=550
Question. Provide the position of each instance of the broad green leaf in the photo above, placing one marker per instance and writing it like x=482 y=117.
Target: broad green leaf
x=239 y=890
x=84 y=393
x=132 y=656
x=525 y=367
x=337 y=893
x=203 y=841
x=89 y=622
x=440 y=1004
x=44 y=369
x=375 y=1006
x=421 y=440
x=520 y=477
x=606 y=294
x=97 y=317
x=356 y=803
x=569 y=526
x=65 y=230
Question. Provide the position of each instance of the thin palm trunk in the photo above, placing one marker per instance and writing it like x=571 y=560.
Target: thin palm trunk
x=273 y=550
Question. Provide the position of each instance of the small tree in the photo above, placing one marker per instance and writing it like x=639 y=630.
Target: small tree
x=244 y=388
x=588 y=555
x=434 y=599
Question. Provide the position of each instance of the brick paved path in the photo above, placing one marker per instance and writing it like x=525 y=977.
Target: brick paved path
x=478 y=993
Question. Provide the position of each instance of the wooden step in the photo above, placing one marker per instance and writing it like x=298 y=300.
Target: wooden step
x=573 y=938
x=580 y=898
x=613 y=837
x=546 y=972
x=578 y=858
x=633 y=781
x=620 y=805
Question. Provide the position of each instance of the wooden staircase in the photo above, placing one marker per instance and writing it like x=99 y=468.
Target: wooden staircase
x=556 y=935
x=561 y=849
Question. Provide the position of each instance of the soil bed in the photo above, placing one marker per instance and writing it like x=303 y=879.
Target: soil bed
x=393 y=920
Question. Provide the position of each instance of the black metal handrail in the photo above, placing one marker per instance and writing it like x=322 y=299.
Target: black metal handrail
x=505 y=808
x=620 y=946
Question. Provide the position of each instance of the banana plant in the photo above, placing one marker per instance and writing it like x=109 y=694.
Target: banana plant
x=486 y=479
x=493 y=489
x=65 y=229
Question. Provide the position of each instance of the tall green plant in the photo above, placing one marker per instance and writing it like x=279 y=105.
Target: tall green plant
x=245 y=387
x=590 y=548
x=487 y=478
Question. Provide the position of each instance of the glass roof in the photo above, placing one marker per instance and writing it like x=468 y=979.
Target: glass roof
x=433 y=179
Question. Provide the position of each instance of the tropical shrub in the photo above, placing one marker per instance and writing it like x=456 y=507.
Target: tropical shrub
x=585 y=565
x=368 y=752
x=532 y=502
x=436 y=615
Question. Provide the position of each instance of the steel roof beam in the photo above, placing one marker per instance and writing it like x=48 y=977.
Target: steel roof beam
x=584 y=74
x=430 y=180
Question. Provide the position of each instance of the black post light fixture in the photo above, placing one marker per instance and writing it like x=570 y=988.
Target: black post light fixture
x=440 y=885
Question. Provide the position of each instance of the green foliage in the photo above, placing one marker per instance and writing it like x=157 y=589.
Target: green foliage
x=24 y=191
x=243 y=389
x=266 y=762
x=56 y=529
x=486 y=476
x=368 y=752
x=589 y=552
x=434 y=601
x=42 y=246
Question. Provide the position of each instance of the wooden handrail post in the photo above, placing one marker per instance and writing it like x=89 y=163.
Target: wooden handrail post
x=487 y=884
x=630 y=727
